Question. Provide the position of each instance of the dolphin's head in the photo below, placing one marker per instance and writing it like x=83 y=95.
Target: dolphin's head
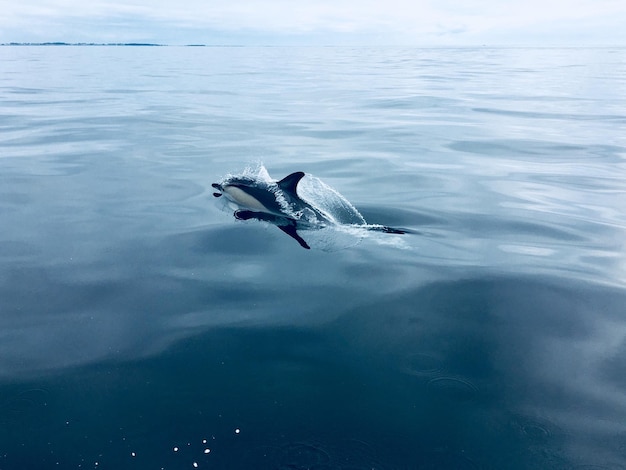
x=247 y=193
x=227 y=184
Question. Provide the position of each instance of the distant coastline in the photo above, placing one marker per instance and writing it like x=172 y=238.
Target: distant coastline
x=56 y=43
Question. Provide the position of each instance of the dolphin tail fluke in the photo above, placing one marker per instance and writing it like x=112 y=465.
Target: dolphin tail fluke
x=385 y=229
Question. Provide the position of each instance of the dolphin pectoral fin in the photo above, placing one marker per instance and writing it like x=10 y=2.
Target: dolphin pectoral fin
x=242 y=214
x=247 y=215
x=286 y=225
x=291 y=231
x=217 y=194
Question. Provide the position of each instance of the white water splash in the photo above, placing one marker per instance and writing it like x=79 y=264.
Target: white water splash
x=328 y=201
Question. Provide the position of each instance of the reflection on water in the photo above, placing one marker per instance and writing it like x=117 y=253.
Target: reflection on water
x=510 y=372
x=141 y=327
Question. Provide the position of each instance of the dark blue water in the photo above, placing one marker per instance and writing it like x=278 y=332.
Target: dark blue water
x=142 y=327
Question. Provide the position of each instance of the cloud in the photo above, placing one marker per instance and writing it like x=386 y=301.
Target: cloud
x=399 y=21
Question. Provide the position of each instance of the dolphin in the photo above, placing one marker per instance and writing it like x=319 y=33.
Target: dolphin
x=258 y=199
x=278 y=203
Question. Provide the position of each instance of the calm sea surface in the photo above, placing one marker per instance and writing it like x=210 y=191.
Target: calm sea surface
x=142 y=327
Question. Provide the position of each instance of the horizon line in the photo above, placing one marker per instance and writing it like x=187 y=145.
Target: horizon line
x=442 y=46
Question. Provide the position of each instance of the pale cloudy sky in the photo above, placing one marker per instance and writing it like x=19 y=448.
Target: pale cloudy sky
x=369 y=22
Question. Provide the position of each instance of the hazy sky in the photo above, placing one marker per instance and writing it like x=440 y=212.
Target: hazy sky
x=411 y=22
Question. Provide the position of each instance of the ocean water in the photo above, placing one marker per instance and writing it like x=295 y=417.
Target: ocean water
x=143 y=327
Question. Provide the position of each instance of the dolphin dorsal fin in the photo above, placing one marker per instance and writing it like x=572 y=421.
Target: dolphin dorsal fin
x=289 y=182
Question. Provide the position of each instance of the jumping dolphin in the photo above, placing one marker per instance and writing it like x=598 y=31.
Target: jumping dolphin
x=278 y=203
x=257 y=199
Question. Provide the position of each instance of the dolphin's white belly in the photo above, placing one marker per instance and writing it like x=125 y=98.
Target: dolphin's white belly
x=243 y=199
